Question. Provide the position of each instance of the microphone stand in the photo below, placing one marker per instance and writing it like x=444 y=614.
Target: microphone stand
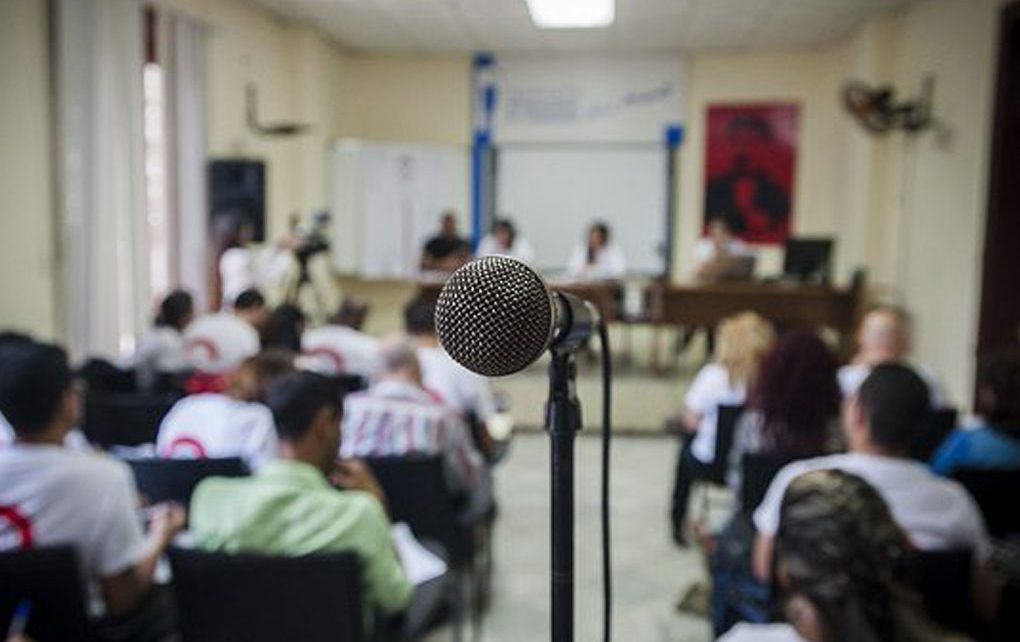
x=563 y=421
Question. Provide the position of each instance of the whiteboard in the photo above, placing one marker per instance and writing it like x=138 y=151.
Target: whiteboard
x=553 y=192
x=386 y=200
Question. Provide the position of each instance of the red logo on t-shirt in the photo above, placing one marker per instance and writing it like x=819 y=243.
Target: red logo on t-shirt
x=334 y=357
x=184 y=448
x=15 y=529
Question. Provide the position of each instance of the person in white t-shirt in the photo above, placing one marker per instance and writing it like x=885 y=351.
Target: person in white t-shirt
x=217 y=343
x=840 y=559
x=53 y=496
x=880 y=423
x=744 y=340
x=162 y=350
x=716 y=253
x=505 y=241
x=244 y=266
x=446 y=380
x=884 y=336
x=340 y=347
x=235 y=424
x=598 y=258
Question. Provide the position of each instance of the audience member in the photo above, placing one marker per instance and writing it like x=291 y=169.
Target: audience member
x=243 y=266
x=448 y=381
x=446 y=251
x=791 y=413
x=743 y=341
x=717 y=253
x=794 y=410
x=505 y=241
x=289 y=506
x=217 y=343
x=283 y=328
x=884 y=336
x=162 y=350
x=880 y=423
x=996 y=442
x=231 y=424
x=75 y=439
x=396 y=417
x=839 y=569
x=598 y=258
x=340 y=347
x=54 y=496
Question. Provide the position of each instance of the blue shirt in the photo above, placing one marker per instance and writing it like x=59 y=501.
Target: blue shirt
x=984 y=448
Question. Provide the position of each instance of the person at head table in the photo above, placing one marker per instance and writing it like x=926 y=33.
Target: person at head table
x=505 y=241
x=718 y=252
x=446 y=251
x=598 y=258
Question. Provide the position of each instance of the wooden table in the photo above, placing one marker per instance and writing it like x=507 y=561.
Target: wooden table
x=783 y=304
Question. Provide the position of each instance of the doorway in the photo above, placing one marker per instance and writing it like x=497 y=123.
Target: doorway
x=999 y=323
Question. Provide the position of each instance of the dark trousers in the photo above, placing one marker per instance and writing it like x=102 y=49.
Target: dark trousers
x=689 y=469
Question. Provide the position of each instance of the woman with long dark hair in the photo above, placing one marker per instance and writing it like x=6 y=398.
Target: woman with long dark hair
x=794 y=407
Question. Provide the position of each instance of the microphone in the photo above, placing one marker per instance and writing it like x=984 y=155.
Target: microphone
x=496 y=316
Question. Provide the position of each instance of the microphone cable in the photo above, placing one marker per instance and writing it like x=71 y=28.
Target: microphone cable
x=607 y=435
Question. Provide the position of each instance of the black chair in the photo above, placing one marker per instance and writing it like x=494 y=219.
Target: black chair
x=944 y=579
x=725 y=429
x=161 y=480
x=50 y=580
x=417 y=494
x=936 y=428
x=255 y=598
x=758 y=471
x=114 y=419
x=99 y=375
x=995 y=492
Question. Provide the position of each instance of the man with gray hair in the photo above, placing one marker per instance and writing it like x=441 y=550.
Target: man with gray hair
x=397 y=417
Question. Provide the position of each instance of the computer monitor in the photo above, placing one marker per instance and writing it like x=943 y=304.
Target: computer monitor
x=808 y=259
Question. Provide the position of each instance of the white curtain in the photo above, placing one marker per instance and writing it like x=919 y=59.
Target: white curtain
x=99 y=58
x=181 y=55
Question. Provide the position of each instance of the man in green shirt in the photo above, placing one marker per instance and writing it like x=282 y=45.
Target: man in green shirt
x=289 y=506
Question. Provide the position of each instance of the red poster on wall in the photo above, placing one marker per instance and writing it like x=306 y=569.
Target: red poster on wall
x=750 y=169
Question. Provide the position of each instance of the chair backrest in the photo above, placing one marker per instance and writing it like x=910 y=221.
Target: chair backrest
x=161 y=480
x=102 y=376
x=995 y=492
x=725 y=428
x=944 y=579
x=417 y=494
x=936 y=428
x=257 y=598
x=113 y=419
x=50 y=580
x=758 y=471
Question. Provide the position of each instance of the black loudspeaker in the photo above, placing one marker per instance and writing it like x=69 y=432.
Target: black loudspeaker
x=237 y=193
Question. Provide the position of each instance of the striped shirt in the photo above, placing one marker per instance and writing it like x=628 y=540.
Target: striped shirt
x=395 y=418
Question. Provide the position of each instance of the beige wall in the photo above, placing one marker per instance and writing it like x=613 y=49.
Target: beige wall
x=27 y=257
x=908 y=208
x=938 y=181
x=412 y=100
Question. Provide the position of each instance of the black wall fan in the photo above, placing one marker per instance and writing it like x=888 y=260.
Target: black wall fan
x=878 y=111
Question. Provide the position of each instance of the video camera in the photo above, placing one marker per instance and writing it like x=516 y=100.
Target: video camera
x=312 y=238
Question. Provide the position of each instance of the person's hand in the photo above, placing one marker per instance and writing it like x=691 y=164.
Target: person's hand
x=165 y=521
x=19 y=637
x=353 y=474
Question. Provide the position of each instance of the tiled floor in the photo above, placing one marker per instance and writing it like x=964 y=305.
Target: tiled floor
x=649 y=570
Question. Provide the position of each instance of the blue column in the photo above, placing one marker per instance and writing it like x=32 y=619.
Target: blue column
x=481 y=149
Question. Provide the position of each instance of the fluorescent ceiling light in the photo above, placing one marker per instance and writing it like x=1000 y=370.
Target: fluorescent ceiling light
x=572 y=14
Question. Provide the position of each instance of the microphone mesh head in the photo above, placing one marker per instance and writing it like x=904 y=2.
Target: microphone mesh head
x=494 y=316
